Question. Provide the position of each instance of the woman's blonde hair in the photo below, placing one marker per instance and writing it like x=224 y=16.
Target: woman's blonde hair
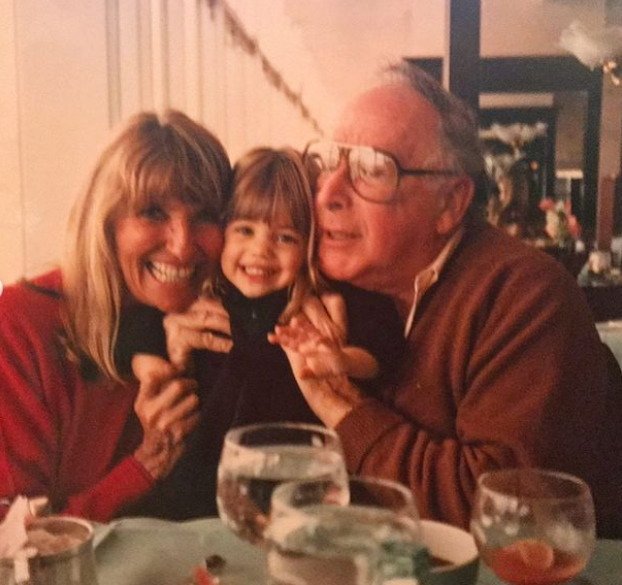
x=267 y=183
x=153 y=157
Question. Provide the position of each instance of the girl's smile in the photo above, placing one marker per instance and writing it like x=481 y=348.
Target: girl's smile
x=260 y=258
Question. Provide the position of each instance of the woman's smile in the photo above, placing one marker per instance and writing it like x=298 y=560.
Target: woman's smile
x=165 y=252
x=169 y=273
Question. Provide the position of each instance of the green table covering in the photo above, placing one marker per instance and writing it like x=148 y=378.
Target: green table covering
x=142 y=551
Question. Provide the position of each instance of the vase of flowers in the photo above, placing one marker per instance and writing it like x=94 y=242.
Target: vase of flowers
x=561 y=225
x=564 y=233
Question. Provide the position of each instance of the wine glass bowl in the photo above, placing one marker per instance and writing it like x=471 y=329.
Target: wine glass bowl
x=533 y=526
x=364 y=533
x=257 y=458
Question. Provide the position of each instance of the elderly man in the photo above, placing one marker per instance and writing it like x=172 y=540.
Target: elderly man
x=504 y=366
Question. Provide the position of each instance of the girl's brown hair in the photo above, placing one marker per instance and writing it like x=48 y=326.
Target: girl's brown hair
x=266 y=184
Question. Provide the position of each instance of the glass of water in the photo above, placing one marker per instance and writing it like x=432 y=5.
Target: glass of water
x=367 y=534
x=257 y=458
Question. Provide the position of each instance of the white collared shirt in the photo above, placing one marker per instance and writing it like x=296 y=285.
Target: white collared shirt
x=429 y=275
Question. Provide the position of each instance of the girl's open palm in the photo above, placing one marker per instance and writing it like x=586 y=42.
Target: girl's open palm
x=319 y=356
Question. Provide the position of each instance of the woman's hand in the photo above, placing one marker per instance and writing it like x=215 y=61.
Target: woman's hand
x=205 y=325
x=167 y=407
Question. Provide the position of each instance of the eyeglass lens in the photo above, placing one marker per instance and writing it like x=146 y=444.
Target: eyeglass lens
x=373 y=173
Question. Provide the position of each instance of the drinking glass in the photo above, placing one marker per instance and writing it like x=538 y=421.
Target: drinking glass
x=257 y=458
x=366 y=534
x=533 y=526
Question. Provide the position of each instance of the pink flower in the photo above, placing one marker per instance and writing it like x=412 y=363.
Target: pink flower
x=574 y=228
x=561 y=224
x=547 y=204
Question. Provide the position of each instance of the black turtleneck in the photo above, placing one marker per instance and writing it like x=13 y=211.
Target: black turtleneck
x=253 y=317
x=253 y=384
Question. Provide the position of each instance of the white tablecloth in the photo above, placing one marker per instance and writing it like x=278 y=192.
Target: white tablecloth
x=154 y=552
x=142 y=551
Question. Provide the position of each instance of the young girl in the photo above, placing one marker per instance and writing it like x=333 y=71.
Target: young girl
x=268 y=271
x=268 y=266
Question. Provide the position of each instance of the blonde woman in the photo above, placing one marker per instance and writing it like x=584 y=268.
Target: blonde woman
x=145 y=232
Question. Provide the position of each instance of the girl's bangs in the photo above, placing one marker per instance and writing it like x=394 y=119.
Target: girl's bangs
x=271 y=205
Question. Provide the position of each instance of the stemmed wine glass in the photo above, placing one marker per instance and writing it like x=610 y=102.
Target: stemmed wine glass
x=365 y=533
x=257 y=458
x=533 y=526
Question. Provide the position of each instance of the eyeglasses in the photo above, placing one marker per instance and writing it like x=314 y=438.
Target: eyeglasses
x=375 y=174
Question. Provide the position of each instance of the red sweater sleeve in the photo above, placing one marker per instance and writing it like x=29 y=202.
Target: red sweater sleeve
x=61 y=436
x=123 y=485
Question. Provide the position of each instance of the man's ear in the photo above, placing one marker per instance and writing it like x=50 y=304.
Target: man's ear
x=456 y=199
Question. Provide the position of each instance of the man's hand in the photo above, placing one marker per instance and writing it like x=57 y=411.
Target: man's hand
x=205 y=325
x=328 y=315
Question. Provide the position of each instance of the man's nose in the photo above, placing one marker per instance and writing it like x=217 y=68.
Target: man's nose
x=181 y=241
x=334 y=188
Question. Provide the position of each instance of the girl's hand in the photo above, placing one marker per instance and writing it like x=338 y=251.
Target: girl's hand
x=320 y=356
x=146 y=367
x=330 y=398
x=205 y=325
x=319 y=366
x=167 y=408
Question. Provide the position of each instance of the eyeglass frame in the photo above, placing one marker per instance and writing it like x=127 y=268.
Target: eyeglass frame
x=401 y=171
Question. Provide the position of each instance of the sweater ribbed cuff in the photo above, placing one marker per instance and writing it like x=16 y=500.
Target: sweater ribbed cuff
x=124 y=485
x=362 y=427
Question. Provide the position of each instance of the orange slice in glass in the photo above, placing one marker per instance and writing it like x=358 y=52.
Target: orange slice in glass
x=533 y=553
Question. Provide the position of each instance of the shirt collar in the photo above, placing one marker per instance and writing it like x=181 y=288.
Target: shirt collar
x=429 y=275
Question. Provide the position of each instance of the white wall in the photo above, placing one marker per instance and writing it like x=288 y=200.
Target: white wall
x=54 y=110
x=533 y=27
x=12 y=240
x=72 y=70
x=508 y=27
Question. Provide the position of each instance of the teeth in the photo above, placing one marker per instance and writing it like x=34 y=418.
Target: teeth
x=333 y=235
x=169 y=273
x=256 y=271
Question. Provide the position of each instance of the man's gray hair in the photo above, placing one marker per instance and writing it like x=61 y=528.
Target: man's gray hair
x=460 y=144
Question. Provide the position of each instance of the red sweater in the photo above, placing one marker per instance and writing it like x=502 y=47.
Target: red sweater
x=60 y=435
x=505 y=368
